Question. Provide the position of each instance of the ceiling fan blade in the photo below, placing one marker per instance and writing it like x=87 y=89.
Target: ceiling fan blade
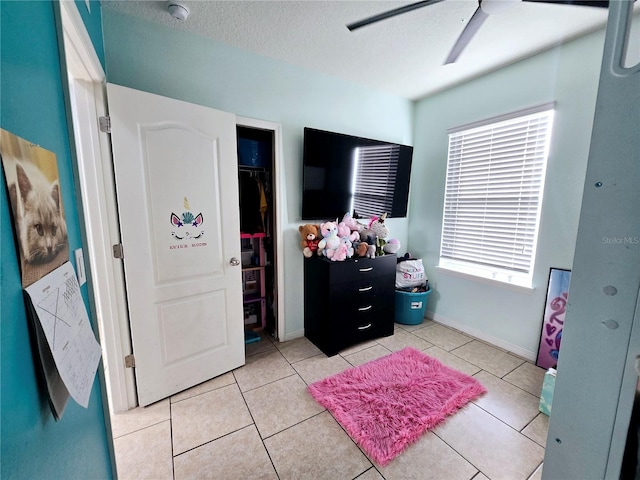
x=584 y=3
x=390 y=13
x=467 y=34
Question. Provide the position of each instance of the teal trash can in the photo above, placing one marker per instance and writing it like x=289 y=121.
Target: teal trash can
x=410 y=307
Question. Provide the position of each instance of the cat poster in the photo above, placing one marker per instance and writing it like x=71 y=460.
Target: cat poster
x=31 y=174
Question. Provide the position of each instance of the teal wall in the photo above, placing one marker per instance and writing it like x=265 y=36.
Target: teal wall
x=34 y=445
x=92 y=17
x=176 y=64
x=567 y=75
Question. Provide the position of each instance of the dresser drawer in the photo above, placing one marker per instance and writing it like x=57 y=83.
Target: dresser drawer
x=365 y=316
x=361 y=292
x=371 y=324
x=361 y=269
x=360 y=313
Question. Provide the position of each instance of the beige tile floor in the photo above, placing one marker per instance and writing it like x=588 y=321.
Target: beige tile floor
x=259 y=421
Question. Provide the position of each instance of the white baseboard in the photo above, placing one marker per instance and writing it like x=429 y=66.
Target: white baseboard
x=292 y=335
x=521 y=352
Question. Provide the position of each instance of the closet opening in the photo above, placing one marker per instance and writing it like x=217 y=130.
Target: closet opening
x=256 y=154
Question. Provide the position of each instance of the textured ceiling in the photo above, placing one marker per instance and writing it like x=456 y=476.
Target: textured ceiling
x=403 y=56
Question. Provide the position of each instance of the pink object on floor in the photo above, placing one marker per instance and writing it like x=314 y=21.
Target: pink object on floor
x=390 y=402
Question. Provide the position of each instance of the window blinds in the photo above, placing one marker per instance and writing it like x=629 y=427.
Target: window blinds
x=493 y=193
x=375 y=179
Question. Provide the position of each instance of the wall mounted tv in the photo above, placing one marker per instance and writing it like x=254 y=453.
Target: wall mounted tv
x=343 y=173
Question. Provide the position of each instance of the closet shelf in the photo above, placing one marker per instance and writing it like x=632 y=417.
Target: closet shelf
x=249 y=269
x=253 y=235
x=253 y=297
x=254 y=282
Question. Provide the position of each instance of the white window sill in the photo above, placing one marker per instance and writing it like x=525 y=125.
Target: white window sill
x=489 y=281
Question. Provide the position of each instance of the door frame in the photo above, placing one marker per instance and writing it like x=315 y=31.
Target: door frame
x=278 y=185
x=93 y=168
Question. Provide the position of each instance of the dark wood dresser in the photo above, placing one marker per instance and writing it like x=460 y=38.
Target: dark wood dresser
x=348 y=302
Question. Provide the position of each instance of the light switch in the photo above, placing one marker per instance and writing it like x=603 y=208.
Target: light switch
x=80 y=271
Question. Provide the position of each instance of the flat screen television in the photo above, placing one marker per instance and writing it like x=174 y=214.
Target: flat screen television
x=343 y=173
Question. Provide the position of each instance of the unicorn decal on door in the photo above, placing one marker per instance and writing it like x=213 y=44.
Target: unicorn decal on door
x=187 y=226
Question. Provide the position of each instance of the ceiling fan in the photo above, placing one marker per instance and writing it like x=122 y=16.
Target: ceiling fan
x=485 y=8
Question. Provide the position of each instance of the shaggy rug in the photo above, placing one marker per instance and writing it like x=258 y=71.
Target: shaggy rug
x=390 y=402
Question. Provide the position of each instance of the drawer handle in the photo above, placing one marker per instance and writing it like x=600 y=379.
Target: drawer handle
x=365 y=289
x=364 y=309
x=368 y=269
x=365 y=327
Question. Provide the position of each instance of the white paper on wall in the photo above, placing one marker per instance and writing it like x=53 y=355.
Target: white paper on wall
x=61 y=313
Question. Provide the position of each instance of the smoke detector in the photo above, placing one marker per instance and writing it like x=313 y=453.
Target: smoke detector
x=178 y=10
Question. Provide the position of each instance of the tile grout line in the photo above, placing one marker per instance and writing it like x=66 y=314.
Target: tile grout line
x=212 y=440
x=508 y=382
x=268 y=383
x=452 y=351
x=460 y=454
x=506 y=424
x=257 y=429
x=373 y=466
x=173 y=463
x=535 y=470
x=324 y=410
x=141 y=428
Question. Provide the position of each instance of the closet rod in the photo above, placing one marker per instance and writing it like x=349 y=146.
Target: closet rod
x=248 y=168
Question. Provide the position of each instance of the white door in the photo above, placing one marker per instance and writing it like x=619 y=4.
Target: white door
x=177 y=187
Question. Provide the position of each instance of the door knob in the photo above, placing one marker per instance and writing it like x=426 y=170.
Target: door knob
x=234 y=261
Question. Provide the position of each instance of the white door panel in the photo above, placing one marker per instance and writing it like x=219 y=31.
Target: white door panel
x=177 y=187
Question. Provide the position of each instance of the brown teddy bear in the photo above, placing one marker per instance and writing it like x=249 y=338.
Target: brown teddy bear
x=362 y=249
x=309 y=239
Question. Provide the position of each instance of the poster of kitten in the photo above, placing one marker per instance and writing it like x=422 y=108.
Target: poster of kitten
x=33 y=186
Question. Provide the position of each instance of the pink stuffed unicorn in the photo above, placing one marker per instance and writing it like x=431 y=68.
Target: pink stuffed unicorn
x=344 y=250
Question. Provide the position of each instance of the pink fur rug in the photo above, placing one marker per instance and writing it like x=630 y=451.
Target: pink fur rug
x=390 y=402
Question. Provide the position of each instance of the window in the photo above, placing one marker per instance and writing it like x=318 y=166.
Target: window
x=375 y=179
x=493 y=195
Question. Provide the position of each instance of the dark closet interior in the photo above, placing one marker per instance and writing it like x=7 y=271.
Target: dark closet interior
x=257 y=232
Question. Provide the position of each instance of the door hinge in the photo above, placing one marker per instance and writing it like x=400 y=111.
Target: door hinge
x=118 y=251
x=130 y=361
x=105 y=124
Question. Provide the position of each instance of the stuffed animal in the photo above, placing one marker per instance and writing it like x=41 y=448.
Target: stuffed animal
x=362 y=249
x=344 y=250
x=330 y=240
x=371 y=251
x=376 y=233
x=354 y=226
x=376 y=228
x=392 y=246
x=345 y=231
x=309 y=239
